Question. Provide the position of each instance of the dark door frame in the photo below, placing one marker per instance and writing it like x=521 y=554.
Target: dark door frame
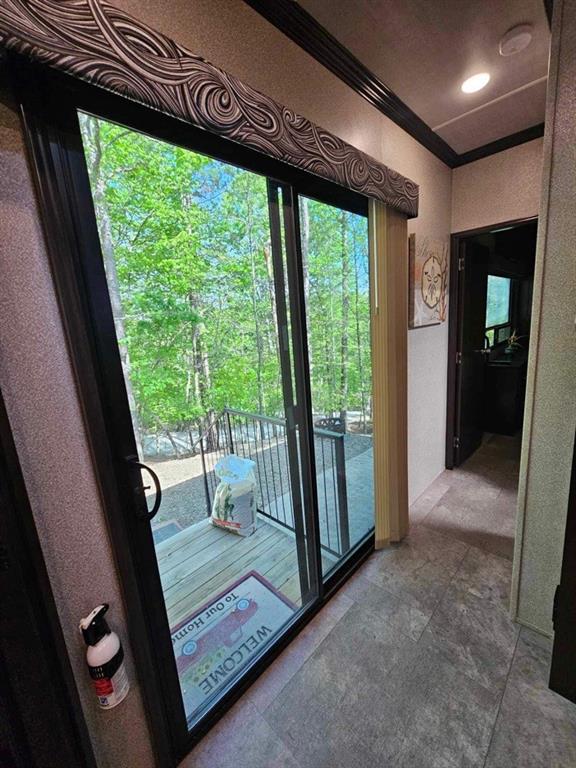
x=49 y=102
x=562 y=670
x=455 y=314
x=38 y=694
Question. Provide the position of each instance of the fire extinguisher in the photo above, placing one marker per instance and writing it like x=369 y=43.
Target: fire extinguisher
x=105 y=658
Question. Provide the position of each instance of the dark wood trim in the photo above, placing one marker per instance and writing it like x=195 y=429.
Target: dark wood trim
x=495 y=226
x=506 y=142
x=43 y=703
x=549 y=8
x=562 y=673
x=55 y=160
x=455 y=309
x=453 y=316
x=301 y=27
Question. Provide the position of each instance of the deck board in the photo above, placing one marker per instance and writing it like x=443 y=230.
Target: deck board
x=203 y=560
x=208 y=581
x=223 y=549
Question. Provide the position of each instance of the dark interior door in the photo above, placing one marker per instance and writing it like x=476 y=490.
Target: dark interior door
x=471 y=357
x=563 y=670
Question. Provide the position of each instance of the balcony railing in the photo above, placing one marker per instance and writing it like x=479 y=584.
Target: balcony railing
x=263 y=440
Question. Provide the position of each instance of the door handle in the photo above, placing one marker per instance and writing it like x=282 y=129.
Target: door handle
x=482 y=351
x=150 y=513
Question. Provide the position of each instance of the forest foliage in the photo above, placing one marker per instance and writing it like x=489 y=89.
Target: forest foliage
x=186 y=247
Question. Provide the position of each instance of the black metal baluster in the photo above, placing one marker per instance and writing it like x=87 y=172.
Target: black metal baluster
x=344 y=520
x=229 y=426
x=265 y=472
x=335 y=492
x=206 y=486
x=280 y=475
x=287 y=465
x=325 y=493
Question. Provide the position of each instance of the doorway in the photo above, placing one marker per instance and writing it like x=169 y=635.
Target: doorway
x=492 y=275
x=489 y=330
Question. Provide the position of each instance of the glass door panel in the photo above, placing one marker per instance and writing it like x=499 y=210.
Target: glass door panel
x=194 y=260
x=335 y=263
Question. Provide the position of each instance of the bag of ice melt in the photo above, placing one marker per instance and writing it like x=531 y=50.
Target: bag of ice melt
x=234 y=506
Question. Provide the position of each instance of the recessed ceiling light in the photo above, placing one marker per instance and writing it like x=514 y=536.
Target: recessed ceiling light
x=515 y=40
x=476 y=82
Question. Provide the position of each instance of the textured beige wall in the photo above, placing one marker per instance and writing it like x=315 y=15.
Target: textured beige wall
x=500 y=187
x=550 y=416
x=37 y=384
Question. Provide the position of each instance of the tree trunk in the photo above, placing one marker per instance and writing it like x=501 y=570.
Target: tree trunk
x=359 y=338
x=202 y=376
x=173 y=443
x=305 y=245
x=273 y=336
x=107 y=245
x=331 y=358
x=345 y=320
x=254 y=286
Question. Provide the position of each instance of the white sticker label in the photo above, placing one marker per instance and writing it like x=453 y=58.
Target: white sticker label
x=111 y=691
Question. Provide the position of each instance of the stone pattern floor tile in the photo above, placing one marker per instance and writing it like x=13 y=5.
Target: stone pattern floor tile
x=271 y=682
x=403 y=616
x=336 y=710
x=486 y=576
x=478 y=502
x=474 y=635
x=415 y=662
x=241 y=739
x=419 y=569
x=535 y=726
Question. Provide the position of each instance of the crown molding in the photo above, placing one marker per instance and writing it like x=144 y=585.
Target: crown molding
x=105 y=46
x=506 y=142
x=301 y=27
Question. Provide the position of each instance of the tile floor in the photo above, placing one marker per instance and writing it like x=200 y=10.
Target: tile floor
x=415 y=662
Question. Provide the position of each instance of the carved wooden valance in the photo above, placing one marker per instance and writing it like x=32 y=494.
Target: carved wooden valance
x=105 y=46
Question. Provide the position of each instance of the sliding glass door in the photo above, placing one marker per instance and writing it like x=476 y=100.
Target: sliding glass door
x=334 y=246
x=232 y=325
x=194 y=256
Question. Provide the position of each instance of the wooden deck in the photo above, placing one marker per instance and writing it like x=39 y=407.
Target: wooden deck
x=202 y=560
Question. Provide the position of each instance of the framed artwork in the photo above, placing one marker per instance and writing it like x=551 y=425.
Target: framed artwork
x=427 y=281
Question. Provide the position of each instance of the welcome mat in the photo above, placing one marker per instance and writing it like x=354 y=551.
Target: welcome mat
x=214 y=643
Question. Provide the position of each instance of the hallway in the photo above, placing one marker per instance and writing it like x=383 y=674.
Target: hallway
x=415 y=662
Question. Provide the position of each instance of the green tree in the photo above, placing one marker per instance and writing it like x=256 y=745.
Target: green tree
x=186 y=248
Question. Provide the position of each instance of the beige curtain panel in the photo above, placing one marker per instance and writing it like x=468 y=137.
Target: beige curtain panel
x=389 y=295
